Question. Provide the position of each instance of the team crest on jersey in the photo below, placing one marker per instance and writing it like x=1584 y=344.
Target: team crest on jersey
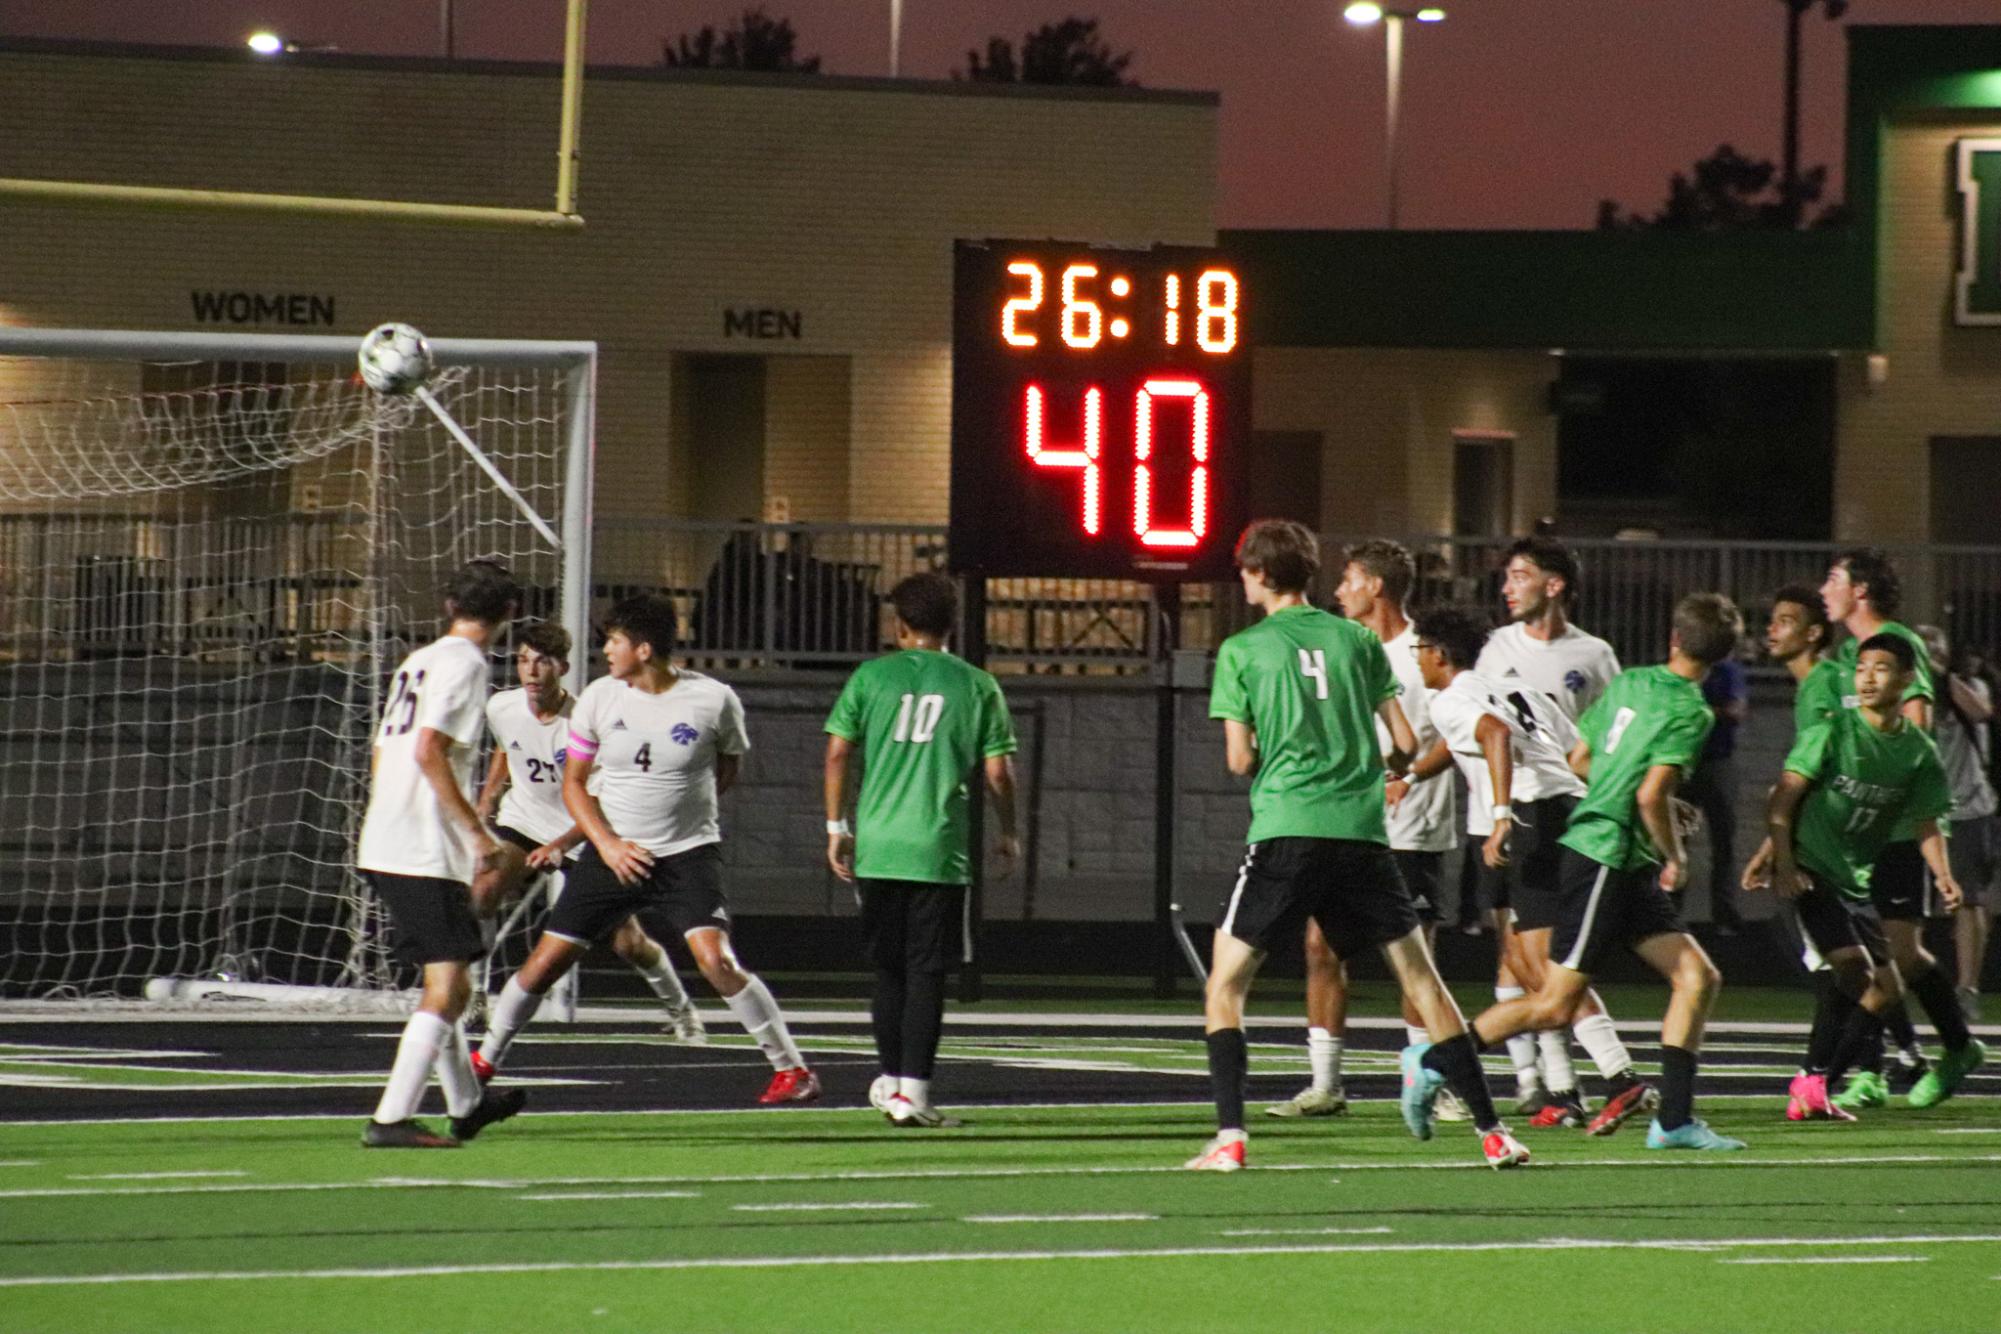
x=684 y=734
x=561 y=756
x=1573 y=681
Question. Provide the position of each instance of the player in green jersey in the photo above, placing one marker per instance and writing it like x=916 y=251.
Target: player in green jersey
x=1298 y=694
x=1850 y=780
x=1624 y=855
x=1796 y=638
x=921 y=721
x=1863 y=592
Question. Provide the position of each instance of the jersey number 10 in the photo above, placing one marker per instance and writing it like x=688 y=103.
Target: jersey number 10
x=917 y=718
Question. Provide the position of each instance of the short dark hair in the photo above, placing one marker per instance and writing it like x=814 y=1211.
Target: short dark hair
x=1552 y=556
x=1283 y=551
x=483 y=590
x=646 y=618
x=1388 y=561
x=927 y=602
x=1460 y=632
x=546 y=638
x=1871 y=567
x=1707 y=626
x=1808 y=600
x=1895 y=645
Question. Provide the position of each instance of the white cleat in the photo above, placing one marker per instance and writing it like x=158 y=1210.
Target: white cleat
x=1450 y=1107
x=685 y=1023
x=880 y=1092
x=1219 y=1155
x=904 y=1113
x=1312 y=1102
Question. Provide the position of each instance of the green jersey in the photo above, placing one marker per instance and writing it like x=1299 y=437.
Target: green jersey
x=1646 y=718
x=1309 y=685
x=1823 y=692
x=1921 y=688
x=923 y=720
x=1866 y=785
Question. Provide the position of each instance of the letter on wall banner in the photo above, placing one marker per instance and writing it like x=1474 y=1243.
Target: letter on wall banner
x=1977 y=290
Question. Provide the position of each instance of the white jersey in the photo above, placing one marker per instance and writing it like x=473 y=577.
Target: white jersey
x=1425 y=820
x=442 y=686
x=533 y=802
x=656 y=757
x=1573 y=669
x=1540 y=736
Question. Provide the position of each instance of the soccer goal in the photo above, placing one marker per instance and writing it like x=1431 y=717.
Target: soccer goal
x=212 y=550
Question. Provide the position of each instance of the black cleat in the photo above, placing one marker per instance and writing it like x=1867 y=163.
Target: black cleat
x=406 y=1134
x=492 y=1107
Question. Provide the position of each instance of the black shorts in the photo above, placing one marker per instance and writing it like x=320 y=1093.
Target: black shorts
x=1972 y=851
x=1351 y=887
x=1534 y=872
x=1423 y=875
x=681 y=893
x=1899 y=885
x=1831 y=921
x=507 y=833
x=913 y=926
x=430 y=919
x=1601 y=908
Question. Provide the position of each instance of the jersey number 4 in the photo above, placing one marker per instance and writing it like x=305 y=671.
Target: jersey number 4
x=917 y=718
x=1314 y=664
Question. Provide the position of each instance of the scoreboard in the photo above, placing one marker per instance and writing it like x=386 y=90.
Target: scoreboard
x=1100 y=411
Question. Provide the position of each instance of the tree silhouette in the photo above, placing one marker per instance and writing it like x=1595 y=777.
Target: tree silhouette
x=1070 y=52
x=755 y=41
x=1727 y=191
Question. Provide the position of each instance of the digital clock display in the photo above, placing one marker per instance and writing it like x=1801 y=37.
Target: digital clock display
x=1100 y=411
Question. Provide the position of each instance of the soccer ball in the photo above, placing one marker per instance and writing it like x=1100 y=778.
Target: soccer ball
x=395 y=359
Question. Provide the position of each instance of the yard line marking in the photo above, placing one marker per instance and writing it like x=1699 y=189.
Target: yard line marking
x=1306 y=1231
x=978 y=1257
x=615 y=1195
x=1830 y=1260
x=1970 y=1130
x=148 y=1176
x=1060 y=1218
x=21 y=1162
x=810 y=1206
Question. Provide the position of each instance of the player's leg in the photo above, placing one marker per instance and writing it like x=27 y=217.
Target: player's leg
x=883 y=930
x=495 y=888
x=753 y=1006
x=1693 y=983
x=1512 y=981
x=554 y=955
x=1447 y=1058
x=1900 y=886
x=1972 y=851
x=1326 y=1032
x=649 y=958
x=934 y=917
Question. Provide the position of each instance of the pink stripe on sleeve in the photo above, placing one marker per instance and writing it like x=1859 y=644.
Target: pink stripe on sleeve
x=581 y=749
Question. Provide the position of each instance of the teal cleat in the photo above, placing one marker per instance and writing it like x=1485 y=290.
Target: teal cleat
x=1420 y=1090
x=1694 y=1135
x=1942 y=1080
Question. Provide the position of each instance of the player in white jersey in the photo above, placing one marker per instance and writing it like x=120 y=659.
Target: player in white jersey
x=1375 y=580
x=522 y=800
x=652 y=747
x=1513 y=743
x=421 y=846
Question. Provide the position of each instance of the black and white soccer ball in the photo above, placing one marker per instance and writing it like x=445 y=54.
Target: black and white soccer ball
x=395 y=359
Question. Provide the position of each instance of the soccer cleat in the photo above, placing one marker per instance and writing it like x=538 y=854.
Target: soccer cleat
x=909 y=1116
x=1865 y=1088
x=1942 y=1080
x=686 y=1024
x=1564 y=1108
x=1312 y=1102
x=1636 y=1097
x=1450 y=1107
x=1693 y=1135
x=1503 y=1149
x=1420 y=1089
x=492 y=1107
x=881 y=1091
x=1807 y=1100
x=1906 y=1071
x=1219 y=1155
x=795 y=1085
x=1529 y=1101
x=406 y=1134
x=482 y=1069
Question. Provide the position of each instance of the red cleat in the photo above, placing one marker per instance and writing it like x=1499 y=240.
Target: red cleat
x=1634 y=1098
x=482 y=1069
x=795 y=1085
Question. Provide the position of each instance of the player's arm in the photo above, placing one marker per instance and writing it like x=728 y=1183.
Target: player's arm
x=495 y=785
x=1000 y=789
x=1919 y=711
x=1240 y=748
x=1498 y=746
x=727 y=769
x=1781 y=817
x=1969 y=701
x=1931 y=846
x=1403 y=740
x=552 y=853
x=1656 y=803
x=434 y=761
x=1579 y=759
x=627 y=860
x=836 y=785
x=1427 y=766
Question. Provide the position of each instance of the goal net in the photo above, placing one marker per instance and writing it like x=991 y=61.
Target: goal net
x=212 y=551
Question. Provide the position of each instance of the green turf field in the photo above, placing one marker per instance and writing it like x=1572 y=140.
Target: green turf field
x=1029 y=1219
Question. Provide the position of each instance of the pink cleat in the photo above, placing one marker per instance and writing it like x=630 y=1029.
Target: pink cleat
x=1807 y=1101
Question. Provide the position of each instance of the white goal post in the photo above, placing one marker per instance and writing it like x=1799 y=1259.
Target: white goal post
x=213 y=548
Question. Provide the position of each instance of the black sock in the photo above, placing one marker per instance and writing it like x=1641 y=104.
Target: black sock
x=1897 y=1023
x=1677 y=1087
x=1619 y=1083
x=1862 y=1034
x=887 y=1016
x=923 y=1021
x=1229 y=1061
x=1456 y=1060
x=1830 y=1016
x=1934 y=992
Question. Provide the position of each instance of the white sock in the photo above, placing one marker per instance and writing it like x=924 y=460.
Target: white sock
x=1596 y=1034
x=423 y=1035
x=1556 y=1061
x=917 y=1090
x=666 y=983
x=455 y=1074
x=1232 y=1137
x=758 y=1013
x=1413 y=1034
x=511 y=1009
x=1323 y=1049
x=1521 y=1048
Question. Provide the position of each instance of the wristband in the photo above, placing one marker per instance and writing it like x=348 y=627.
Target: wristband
x=1504 y=812
x=840 y=827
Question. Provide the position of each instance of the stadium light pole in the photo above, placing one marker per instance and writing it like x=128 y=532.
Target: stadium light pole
x=1367 y=13
x=895 y=38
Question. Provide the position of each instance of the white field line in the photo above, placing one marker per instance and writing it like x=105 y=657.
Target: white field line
x=1970 y=1130
x=615 y=1195
x=1306 y=1231
x=21 y=1162
x=814 y=1207
x=36 y=1053
x=1683 y=1161
x=1060 y=1218
x=979 y=1257
x=1830 y=1260
x=148 y=1176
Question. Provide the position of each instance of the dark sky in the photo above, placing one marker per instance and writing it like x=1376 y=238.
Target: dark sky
x=1517 y=113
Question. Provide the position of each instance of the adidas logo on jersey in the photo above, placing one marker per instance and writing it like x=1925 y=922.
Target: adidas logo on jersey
x=617 y=725
x=514 y=745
